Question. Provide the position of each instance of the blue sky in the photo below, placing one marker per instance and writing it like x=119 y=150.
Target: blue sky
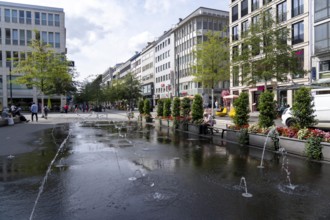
x=101 y=33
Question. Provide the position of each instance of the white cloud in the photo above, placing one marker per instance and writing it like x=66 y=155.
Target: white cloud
x=140 y=40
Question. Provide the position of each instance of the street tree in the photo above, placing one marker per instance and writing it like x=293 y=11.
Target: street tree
x=212 y=60
x=265 y=54
x=44 y=69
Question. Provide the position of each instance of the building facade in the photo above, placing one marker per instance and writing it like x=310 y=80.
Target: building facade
x=292 y=14
x=189 y=32
x=17 y=25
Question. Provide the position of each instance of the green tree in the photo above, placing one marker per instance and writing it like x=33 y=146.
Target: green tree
x=265 y=54
x=146 y=107
x=267 y=110
x=160 y=108
x=140 y=106
x=167 y=108
x=197 y=108
x=44 y=69
x=176 y=107
x=185 y=107
x=212 y=61
x=302 y=108
x=241 y=105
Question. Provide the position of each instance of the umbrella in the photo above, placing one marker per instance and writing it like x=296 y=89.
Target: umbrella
x=230 y=97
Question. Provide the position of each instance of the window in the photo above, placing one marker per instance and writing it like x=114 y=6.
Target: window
x=235 y=33
x=15 y=37
x=234 y=13
x=255 y=20
x=8 y=59
x=265 y=2
x=28 y=37
x=28 y=17
x=8 y=36
x=298 y=33
x=7 y=15
x=44 y=37
x=297 y=7
x=281 y=12
x=244 y=8
x=322 y=38
x=14 y=16
x=57 y=20
x=235 y=53
x=244 y=28
x=325 y=66
x=37 y=18
x=0 y=59
x=51 y=39
x=300 y=65
x=21 y=17
x=254 y=5
x=322 y=9
x=22 y=37
x=43 y=18
x=57 y=40
x=50 y=20
x=235 y=76
x=0 y=36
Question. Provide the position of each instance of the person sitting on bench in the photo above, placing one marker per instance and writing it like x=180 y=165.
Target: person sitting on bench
x=207 y=122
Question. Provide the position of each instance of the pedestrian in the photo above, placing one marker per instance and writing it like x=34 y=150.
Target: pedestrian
x=66 y=107
x=46 y=110
x=34 y=111
x=216 y=104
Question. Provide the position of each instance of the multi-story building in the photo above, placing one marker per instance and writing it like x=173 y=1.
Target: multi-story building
x=187 y=34
x=320 y=21
x=164 y=66
x=293 y=14
x=17 y=25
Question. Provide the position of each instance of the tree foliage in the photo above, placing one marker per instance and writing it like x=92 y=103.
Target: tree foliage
x=160 y=107
x=242 y=110
x=185 y=107
x=197 y=108
x=303 y=108
x=211 y=60
x=176 y=107
x=265 y=54
x=267 y=110
x=167 y=107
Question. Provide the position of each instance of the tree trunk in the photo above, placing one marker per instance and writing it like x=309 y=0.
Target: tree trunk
x=212 y=101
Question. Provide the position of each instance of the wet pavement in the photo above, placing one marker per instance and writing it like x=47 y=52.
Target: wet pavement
x=109 y=169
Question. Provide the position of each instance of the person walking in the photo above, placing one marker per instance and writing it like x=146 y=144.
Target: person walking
x=34 y=111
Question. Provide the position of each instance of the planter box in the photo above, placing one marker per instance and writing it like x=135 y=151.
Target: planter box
x=183 y=127
x=326 y=151
x=259 y=140
x=196 y=129
x=293 y=145
x=232 y=135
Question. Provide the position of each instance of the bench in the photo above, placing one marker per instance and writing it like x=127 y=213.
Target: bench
x=211 y=130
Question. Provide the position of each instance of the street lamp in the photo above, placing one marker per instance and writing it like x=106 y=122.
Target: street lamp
x=178 y=85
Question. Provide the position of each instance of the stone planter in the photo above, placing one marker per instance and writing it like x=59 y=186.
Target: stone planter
x=148 y=119
x=232 y=135
x=196 y=129
x=293 y=145
x=326 y=150
x=259 y=140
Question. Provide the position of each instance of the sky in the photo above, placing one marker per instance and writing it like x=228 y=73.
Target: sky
x=102 y=33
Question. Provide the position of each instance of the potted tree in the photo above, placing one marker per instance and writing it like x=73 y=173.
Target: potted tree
x=176 y=112
x=241 y=118
x=160 y=110
x=167 y=111
x=196 y=114
x=185 y=113
x=146 y=111
x=140 y=107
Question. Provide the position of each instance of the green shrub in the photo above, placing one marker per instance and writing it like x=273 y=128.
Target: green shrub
x=197 y=108
x=167 y=108
x=160 y=108
x=267 y=109
x=146 y=107
x=140 y=106
x=185 y=107
x=313 y=148
x=241 y=105
x=176 y=107
x=302 y=108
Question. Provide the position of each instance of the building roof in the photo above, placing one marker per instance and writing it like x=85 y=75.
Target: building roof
x=34 y=7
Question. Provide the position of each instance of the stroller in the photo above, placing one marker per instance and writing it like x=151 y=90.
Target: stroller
x=17 y=112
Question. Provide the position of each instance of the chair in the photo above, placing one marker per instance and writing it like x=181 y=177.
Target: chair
x=222 y=113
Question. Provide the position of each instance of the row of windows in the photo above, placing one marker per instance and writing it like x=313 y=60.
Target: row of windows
x=201 y=24
x=25 y=17
x=297 y=9
x=322 y=9
x=322 y=38
x=163 y=44
x=23 y=37
x=297 y=32
x=12 y=57
x=164 y=89
x=163 y=78
x=165 y=66
x=148 y=66
x=163 y=56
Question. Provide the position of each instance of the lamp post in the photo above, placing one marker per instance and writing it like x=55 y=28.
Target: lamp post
x=10 y=86
x=178 y=76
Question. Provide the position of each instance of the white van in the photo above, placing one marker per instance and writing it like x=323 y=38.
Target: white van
x=321 y=99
